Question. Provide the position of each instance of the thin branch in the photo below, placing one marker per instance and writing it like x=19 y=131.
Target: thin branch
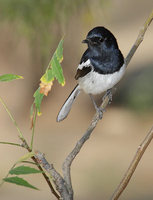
x=7 y=175
x=41 y=169
x=139 y=38
x=33 y=128
x=148 y=138
x=46 y=178
x=57 y=178
x=29 y=162
x=11 y=143
x=12 y=118
x=69 y=159
x=140 y=151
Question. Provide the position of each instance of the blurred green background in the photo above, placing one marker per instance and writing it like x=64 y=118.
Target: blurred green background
x=29 y=33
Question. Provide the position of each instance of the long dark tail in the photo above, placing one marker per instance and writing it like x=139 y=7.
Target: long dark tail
x=64 y=111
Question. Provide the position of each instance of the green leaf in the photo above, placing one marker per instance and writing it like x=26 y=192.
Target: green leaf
x=54 y=70
x=19 y=181
x=10 y=77
x=38 y=99
x=59 y=51
x=57 y=70
x=48 y=76
x=24 y=170
x=54 y=64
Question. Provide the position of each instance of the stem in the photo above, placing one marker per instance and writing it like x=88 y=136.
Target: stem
x=41 y=169
x=46 y=178
x=127 y=176
x=33 y=128
x=29 y=162
x=139 y=38
x=26 y=146
x=11 y=143
x=7 y=174
x=69 y=159
x=12 y=118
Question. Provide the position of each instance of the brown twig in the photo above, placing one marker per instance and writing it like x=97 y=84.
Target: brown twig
x=147 y=140
x=140 y=151
x=139 y=38
x=57 y=178
x=69 y=159
x=26 y=146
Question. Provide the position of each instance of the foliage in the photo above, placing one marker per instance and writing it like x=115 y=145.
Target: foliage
x=54 y=70
x=24 y=170
x=19 y=181
x=9 y=77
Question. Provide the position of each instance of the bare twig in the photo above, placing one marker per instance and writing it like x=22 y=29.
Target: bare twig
x=140 y=151
x=57 y=178
x=147 y=140
x=41 y=169
x=69 y=159
x=139 y=38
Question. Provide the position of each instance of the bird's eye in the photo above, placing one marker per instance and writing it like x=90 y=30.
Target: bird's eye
x=101 y=39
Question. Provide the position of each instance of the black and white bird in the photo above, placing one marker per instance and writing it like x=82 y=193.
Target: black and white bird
x=101 y=67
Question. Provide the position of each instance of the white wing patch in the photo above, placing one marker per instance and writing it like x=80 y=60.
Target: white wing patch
x=84 y=64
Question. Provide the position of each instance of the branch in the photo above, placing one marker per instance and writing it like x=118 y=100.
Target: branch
x=57 y=178
x=140 y=151
x=139 y=38
x=11 y=143
x=26 y=146
x=69 y=159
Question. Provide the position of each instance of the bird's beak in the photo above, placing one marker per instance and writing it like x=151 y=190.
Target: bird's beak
x=85 y=41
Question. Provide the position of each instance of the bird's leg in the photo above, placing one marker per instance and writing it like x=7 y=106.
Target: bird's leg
x=98 y=109
x=109 y=95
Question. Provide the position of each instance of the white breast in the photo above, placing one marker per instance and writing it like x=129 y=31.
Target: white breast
x=95 y=83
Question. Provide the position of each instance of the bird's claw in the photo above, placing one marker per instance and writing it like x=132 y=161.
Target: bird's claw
x=100 y=112
x=109 y=95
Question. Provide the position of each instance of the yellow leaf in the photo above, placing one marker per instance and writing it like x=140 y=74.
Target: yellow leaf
x=45 y=87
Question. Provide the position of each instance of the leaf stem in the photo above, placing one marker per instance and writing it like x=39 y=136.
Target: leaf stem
x=12 y=118
x=33 y=128
x=7 y=175
x=11 y=143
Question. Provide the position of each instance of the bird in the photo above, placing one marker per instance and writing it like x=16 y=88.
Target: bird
x=101 y=67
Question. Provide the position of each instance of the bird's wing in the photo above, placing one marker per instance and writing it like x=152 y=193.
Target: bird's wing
x=64 y=111
x=83 y=69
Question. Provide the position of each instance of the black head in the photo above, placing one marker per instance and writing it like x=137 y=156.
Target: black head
x=100 y=37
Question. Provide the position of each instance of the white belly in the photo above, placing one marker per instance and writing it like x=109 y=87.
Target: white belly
x=94 y=83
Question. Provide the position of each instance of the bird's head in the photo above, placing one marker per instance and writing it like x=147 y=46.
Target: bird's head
x=100 y=37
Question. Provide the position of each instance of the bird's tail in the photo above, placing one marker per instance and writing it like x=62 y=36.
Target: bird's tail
x=64 y=111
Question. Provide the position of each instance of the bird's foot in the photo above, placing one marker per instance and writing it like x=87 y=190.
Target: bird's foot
x=109 y=95
x=100 y=112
